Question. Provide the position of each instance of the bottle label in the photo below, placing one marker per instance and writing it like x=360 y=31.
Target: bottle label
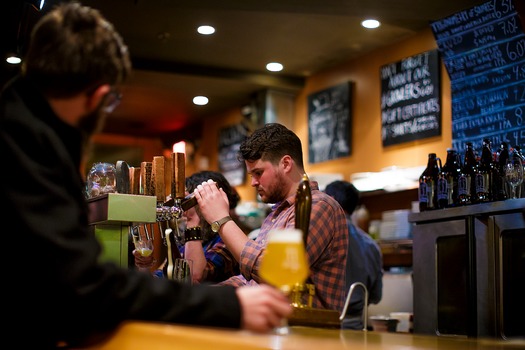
x=423 y=192
x=463 y=185
x=444 y=189
x=483 y=187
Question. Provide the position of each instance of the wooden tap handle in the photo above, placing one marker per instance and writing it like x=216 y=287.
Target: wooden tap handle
x=157 y=178
x=145 y=178
x=134 y=180
x=179 y=176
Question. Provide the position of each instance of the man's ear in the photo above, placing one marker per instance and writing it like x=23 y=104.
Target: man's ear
x=287 y=163
x=95 y=99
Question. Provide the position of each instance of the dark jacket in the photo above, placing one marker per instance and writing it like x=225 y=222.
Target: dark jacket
x=54 y=284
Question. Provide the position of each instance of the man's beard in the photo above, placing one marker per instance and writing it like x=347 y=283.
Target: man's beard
x=277 y=190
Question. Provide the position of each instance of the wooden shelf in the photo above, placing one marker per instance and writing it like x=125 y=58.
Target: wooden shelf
x=396 y=253
x=376 y=202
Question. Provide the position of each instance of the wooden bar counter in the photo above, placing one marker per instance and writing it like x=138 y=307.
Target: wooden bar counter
x=142 y=336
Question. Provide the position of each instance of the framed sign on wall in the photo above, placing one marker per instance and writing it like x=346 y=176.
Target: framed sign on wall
x=411 y=99
x=230 y=139
x=329 y=124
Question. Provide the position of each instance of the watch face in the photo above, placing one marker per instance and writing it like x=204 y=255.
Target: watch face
x=216 y=225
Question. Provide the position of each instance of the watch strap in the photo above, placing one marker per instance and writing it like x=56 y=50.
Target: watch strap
x=222 y=222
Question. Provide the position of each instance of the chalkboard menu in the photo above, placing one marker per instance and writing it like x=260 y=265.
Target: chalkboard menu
x=329 y=123
x=410 y=99
x=483 y=49
x=230 y=139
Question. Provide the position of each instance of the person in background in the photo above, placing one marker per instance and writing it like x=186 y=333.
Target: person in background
x=274 y=160
x=364 y=263
x=62 y=293
x=212 y=262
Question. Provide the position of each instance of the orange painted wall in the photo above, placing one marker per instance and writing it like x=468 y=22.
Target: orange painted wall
x=368 y=154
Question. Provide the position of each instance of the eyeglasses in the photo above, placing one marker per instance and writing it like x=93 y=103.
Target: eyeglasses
x=112 y=100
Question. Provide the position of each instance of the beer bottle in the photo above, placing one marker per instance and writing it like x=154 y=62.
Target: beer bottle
x=466 y=189
x=503 y=190
x=447 y=183
x=428 y=184
x=520 y=190
x=487 y=176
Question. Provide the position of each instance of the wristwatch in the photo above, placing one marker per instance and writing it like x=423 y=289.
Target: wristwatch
x=216 y=225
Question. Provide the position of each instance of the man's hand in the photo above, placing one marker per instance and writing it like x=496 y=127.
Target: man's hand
x=143 y=262
x=213 y=202
x=263 y=307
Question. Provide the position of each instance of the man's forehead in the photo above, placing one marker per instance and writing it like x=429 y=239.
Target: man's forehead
x=257 y=164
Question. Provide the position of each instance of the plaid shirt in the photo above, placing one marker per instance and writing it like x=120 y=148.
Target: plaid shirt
x=327 y=246
x=220 y=263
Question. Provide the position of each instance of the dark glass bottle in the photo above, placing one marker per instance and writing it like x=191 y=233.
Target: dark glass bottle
x=428 y=184
x=466 y=189
x=487 y=175
x=502 y=156
x=520 y=190
x=447 y=183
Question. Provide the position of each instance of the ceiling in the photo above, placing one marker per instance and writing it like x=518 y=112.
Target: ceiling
x=172 y=63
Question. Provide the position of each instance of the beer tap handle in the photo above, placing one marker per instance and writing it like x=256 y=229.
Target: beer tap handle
x=157 y=179
x=122 y=170
x=145 y=178
x=303 y=206
x=134 y=180
x=179 y=176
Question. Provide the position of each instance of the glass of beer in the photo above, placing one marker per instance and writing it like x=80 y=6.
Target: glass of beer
x=284 y=263
x=143 y=242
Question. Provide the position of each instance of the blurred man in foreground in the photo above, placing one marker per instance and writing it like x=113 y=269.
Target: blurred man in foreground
x=61 y=293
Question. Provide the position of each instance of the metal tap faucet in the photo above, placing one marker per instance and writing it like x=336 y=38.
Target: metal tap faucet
x=365 y=306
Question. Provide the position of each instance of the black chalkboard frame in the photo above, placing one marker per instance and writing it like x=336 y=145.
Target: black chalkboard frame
x=411 y=99
x=329 y=123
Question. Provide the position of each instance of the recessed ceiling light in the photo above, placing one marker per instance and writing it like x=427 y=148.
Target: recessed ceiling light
x=370 y=23
x=200 y=100
x=13 y=59
x=206 y=30
x=274 y=67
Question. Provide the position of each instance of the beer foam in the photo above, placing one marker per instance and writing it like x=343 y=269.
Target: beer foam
x=285 y=235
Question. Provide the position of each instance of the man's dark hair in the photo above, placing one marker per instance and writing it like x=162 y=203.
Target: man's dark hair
x=270 y=143
x=344 y=193
x=74 y=49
